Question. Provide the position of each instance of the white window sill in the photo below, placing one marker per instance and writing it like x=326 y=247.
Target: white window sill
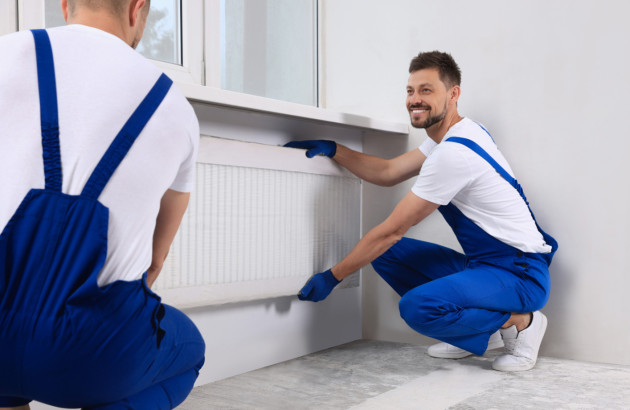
x=215 y=96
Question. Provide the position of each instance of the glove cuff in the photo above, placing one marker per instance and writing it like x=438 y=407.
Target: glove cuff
x=332 y=151
x=330 y=277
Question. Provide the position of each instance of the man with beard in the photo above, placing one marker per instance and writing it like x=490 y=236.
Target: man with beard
x=490 y=295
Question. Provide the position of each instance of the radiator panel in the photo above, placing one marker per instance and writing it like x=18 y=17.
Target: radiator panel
x=252 y=233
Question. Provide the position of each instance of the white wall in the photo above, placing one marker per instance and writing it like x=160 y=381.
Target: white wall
x=246 y=336
x=549 y=80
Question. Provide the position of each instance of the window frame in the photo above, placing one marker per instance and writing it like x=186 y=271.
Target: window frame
x=201 y=40
x=31 y=15
x=212 y=39
x=8 y=17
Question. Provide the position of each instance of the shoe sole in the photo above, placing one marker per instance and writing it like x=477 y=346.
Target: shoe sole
x=454 y=355
x=460 y=355
x=525 y=366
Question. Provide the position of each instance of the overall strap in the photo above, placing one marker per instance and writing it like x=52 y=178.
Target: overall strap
x=499 y=169
x=487 y=132
x=509 y=178
x=48 y=110
x=126 y=137
x=483 y=154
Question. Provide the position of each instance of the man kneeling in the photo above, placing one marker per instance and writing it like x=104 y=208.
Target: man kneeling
x=501 y=280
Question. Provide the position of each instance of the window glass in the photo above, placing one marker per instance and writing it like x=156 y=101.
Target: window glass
x=269 y=48
x=54 y=16
x=162 y=39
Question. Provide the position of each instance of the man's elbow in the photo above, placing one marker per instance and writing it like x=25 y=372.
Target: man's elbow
x=389 y=183
x=394 y=237
x=394 y=177
x=389 y=179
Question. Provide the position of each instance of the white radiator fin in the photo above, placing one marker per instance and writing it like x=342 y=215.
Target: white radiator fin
x=253 y=233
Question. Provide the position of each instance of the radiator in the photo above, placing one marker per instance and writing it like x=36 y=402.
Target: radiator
x=260 y=222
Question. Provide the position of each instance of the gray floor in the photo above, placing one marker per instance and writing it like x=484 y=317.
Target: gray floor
x=383 y=375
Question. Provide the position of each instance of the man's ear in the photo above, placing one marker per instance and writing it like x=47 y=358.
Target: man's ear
x=64 y=9
x=135 y=8
x=455 y=93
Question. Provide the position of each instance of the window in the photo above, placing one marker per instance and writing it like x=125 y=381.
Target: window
x=261 y=47
x=52 y=15
x=172 y=37
x=162 y=40
x=269 y=48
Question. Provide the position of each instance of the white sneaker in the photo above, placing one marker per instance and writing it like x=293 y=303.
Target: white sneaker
x=521 y=348
x=447 y=351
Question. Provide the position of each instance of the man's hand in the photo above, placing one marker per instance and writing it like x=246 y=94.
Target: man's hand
x=318 y=287
x=315 y=147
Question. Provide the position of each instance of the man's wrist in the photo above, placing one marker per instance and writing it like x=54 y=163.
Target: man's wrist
x=338 y=147
x=334 y=151
x=335 y=276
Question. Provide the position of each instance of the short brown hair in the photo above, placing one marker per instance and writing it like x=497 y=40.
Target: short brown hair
x=116 y=7
x=449 y=71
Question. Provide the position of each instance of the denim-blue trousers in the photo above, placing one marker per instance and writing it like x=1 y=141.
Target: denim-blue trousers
x=123 y=350
x=449 y=297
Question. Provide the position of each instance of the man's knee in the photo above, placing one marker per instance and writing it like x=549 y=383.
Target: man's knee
x=423 y=312
x=390 y=259
x=185 y=335
x=384 y=262
x=200 y=364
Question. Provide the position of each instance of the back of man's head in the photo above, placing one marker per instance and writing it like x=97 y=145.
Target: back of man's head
x=450 y=73
x=115 y=7
x=125 y=19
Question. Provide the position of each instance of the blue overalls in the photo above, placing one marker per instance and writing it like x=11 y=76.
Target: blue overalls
x=463 y=299
x=64 y=340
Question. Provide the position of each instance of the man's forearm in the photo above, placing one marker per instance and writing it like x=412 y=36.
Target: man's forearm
x=367 y=167
x=409 y=211
x=379 y=171
x=172 y=209
x=370 y=247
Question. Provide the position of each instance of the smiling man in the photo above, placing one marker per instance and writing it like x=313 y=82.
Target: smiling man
x=490 y=295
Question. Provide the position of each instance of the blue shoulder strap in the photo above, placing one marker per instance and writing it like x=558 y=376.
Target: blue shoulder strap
x=483 y=154
x=48 y=110
x=126 y=137
x=50 y=123
x=499 y=169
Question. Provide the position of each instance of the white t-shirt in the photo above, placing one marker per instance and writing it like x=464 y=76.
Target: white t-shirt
x=100 y=82
x=454 y=173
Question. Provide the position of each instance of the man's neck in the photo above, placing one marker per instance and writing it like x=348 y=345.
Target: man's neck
x=102 y=21
x=437 y=131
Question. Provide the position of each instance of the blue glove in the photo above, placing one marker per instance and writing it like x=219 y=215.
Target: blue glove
x=315 y=147
x=318 y=287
